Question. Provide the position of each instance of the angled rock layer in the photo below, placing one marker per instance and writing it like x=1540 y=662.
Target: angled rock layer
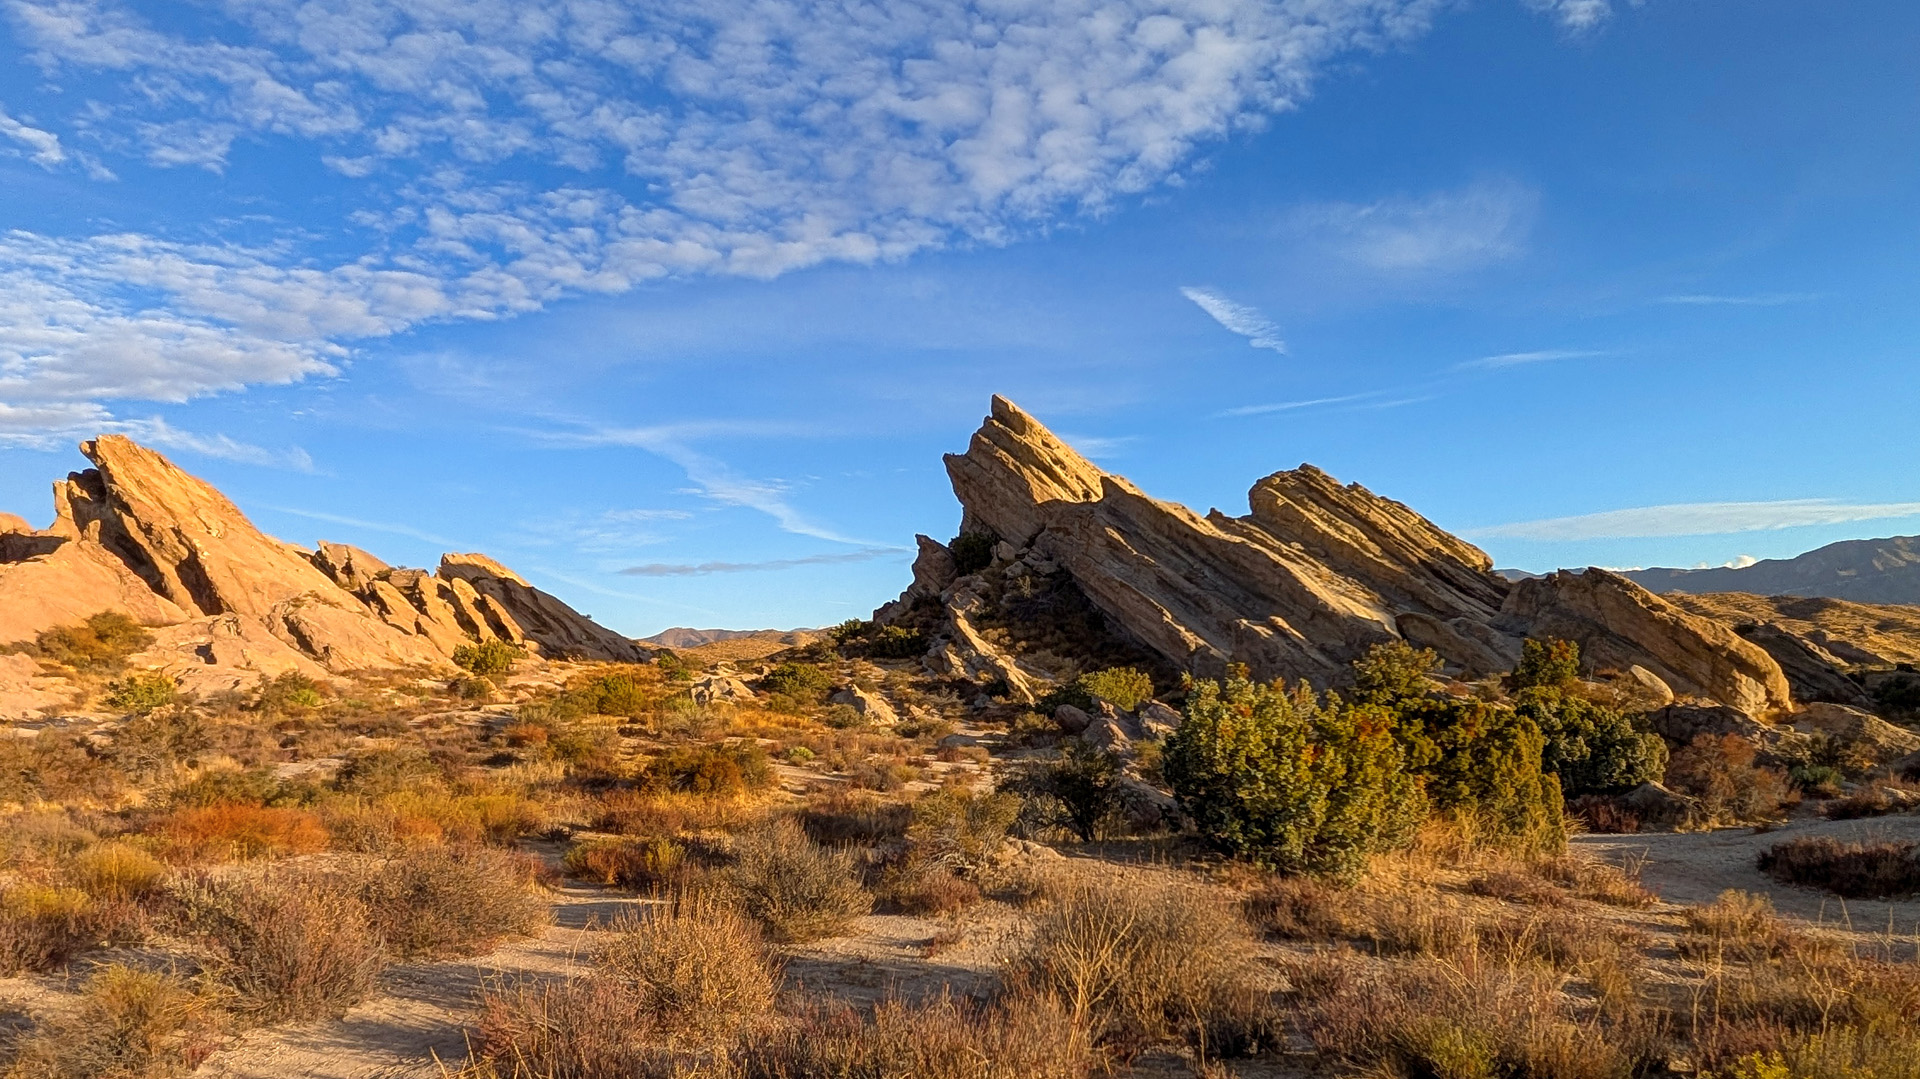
x=137 y=535
x=1314 y=575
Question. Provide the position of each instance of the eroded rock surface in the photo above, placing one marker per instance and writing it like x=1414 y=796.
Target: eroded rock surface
x=1307 y=581
x=229 y=604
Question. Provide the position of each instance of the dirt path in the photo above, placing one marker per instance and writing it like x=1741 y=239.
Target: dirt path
x=1695 y=867
x=422 y=1010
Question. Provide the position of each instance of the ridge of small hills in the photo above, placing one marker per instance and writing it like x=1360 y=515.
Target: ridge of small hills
x=1872 y=571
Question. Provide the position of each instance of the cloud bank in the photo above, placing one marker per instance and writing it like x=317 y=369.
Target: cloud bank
x=506 y=153
x=1699 y=519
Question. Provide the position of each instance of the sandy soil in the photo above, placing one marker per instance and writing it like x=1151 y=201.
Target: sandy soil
x=1695 y=867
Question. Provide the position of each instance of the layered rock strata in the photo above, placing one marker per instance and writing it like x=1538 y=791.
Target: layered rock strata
x=135 y=534
x=1314 y=575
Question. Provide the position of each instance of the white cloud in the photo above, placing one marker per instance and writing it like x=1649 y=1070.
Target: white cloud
x=1289 y=406
x=1700 y=519
x=1519 y=359
x=43 y=147
x=1764 y=299
x=371 y=526
x=702 y=569
x=513 y=152
x=1447 y=231
x=1575 y=16
x=1248 y=322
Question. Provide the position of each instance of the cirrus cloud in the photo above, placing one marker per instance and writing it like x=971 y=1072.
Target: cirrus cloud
x=1699 y=519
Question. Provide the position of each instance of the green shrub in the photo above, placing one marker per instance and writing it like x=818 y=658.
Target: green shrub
x=716 y=771
x=672 y=667
x=379 y=772
x=290 y=692
x=1123 y=687
x=897 y=642
x=1479 y=762
x=142 y=691
x=1593 y=748
x=617 y=694
x=1079 y=790
x=972 y=551
x=487 y=658
x=804 y=682
x=101 y=644
x=1287 y=782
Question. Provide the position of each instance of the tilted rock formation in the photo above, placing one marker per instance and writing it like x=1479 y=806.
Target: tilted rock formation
x=1618 y=623
x=137 y=535
x=1314 y=575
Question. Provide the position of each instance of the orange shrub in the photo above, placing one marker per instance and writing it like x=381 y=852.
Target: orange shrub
x=240 y=832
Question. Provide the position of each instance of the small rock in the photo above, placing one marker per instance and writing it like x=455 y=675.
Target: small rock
x=866 y=702
x=1105 y=734
x=1157 y=720
x=1071 y=719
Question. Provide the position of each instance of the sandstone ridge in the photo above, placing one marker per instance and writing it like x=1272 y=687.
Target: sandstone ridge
x=138 y=535
x=1311 y=577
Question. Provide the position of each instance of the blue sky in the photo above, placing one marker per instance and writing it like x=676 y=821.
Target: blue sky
x=675 y=306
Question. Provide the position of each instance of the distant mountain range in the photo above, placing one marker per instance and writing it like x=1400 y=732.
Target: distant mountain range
x=683 y=637
x=1863 y=571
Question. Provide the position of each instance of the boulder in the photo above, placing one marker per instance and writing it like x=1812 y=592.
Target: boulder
x=1157 y=720
x=1650 y=690
x=1105 y=733
x=1683 y=721
x=1072 y=719
x=719 y=687
x=1619 y=624
x=1660 y=807
x=27 y=693
x=1856 y=729
x=1814 y=673
x=866 y=702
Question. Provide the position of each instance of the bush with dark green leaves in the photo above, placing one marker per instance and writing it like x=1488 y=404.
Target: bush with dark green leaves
x=803 y=682
x=290 y=692
x=972 y=551
x=1285 y=780
x=1079 y=790
x=878 y=641
x=1479 y=761
x=1593 y=748
x=487 y=658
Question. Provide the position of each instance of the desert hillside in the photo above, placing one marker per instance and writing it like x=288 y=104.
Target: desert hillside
x=1111 y=789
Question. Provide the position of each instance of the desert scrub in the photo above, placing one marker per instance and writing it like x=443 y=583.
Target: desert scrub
x=1722 y=774
x=443 y=902
x=116 y=870
x=794 y=888
x=100 y=645
x=288 y=945
x=129 y=1024
x=1856 y=870
x=487 y=658
x=1145 y=962
x=721 y=770
x=42 y=926
x=937 y=1039
x=637 y=863
x=141 y=691
x=230 y=832
x=697 y=968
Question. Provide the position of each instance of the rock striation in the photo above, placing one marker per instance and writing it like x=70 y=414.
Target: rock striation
x=138 y=535
x=1310 y=578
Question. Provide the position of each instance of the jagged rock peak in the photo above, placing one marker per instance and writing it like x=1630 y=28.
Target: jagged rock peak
x=1309 y=579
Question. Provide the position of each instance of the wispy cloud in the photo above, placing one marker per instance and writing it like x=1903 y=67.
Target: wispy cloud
x=1700 y=519
x=371 y=526
x=1098 y=446
x=1440 y=232
x=1519 y=359
x=160 y=433
x=1289 y=406
x=42 y=147
x=714 y=479
x=702 y=569
x=1239 y=318
x=1577 y=16
x=1762 y=299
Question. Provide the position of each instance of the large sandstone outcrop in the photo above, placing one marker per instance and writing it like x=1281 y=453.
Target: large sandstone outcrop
x=1307 y=581
x=137 y=535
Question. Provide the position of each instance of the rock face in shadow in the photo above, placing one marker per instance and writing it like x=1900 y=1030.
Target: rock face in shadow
x=137 y=535
x=1311 y=577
